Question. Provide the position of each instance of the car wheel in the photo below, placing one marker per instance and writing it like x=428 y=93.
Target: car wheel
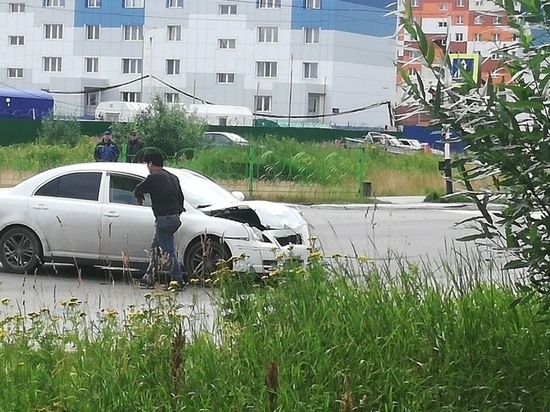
x=202 y=257
x=21 y=251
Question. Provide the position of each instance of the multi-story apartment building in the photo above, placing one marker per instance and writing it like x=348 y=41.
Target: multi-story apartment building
x=473 y=29
x=277 y=57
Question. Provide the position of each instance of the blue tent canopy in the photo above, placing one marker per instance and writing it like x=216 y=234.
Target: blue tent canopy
x=33 y=104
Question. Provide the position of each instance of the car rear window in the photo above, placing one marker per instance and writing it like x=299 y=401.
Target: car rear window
x=84 y=186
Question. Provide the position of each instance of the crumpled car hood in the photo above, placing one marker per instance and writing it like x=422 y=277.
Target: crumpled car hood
x=261 y=214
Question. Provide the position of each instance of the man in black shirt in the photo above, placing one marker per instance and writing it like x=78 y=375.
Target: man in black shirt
x=134 y=149
x=167 y=205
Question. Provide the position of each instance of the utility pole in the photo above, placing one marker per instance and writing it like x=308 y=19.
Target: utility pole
x=447 y=159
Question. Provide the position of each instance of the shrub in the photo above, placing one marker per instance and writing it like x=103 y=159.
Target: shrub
x=506 y=129
x=55 y=130
x=168 y=129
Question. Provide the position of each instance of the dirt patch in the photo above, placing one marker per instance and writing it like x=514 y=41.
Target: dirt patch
x=9 y=177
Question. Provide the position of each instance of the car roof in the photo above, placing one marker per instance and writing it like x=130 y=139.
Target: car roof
x=233 y=136
x=138 y=169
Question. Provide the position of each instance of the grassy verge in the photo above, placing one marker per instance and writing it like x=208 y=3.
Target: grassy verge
x=331 y=337
x=285 y=170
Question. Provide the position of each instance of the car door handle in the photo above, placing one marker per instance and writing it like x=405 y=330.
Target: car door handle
x=40 y=206
x=111 y=214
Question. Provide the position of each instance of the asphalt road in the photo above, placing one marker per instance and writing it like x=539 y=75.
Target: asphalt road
x=412 y=232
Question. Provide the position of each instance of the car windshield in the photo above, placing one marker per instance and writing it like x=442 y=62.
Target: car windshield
x=199 y=191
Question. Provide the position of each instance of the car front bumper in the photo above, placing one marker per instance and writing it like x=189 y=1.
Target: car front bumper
x=264 y=257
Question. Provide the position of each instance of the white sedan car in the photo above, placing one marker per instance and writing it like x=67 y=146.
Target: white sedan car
x=87 y=214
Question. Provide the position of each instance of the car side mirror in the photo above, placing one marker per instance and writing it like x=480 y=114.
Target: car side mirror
x=238 y=194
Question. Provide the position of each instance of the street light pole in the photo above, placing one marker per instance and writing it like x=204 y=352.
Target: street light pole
x=143 y=61
x=150 y=68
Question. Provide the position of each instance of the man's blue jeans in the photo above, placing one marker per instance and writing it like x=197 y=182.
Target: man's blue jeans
x=165 y=227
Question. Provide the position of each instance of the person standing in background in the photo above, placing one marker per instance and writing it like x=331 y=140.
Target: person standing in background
x=134 y=149
x=106 y=150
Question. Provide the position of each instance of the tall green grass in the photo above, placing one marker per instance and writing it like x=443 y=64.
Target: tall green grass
x=330 y=337
x=35 y=157
x=323 y=172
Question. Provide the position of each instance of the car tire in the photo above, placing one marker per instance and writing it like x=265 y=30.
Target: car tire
x=202 y=257
x=20 y=250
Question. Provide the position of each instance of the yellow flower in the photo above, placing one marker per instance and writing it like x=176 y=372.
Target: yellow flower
x=33 y=315
x=5 y=301
x=364 y=259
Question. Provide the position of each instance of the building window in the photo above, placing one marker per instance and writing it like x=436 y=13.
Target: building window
x=479 y=3
x=175 y=3
x=15 y=73
x=413 y=54
x=266 y=69
x=494 y=56
x=478 y=20
x=17 y=8
x=92 y=64
x=412 y=71
x=53 y=31
x=459 y=20
x=262 y=103
x=132 y=97
x=173 y=33
x=93 y=4
x=459 y=3
x=91 y=98
x=497 y=20
x=268 y=4
x=132 y=4
x=52 y=64
x=477 y=37
x=228 y=9
x=172 y=97
x=311 y=35
x=54 y=3
x=132 y=33
x=495 y=37
x=442 y=7
x=459 y=36
x=16 y=40
x=415 y=3
x=268 y=34
x=131 y=66
x=172 y=66
x=313 y=4
x=226 y=78
x=311 y=70
x=92 y=32
x=225 y=44
x=442 y=24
